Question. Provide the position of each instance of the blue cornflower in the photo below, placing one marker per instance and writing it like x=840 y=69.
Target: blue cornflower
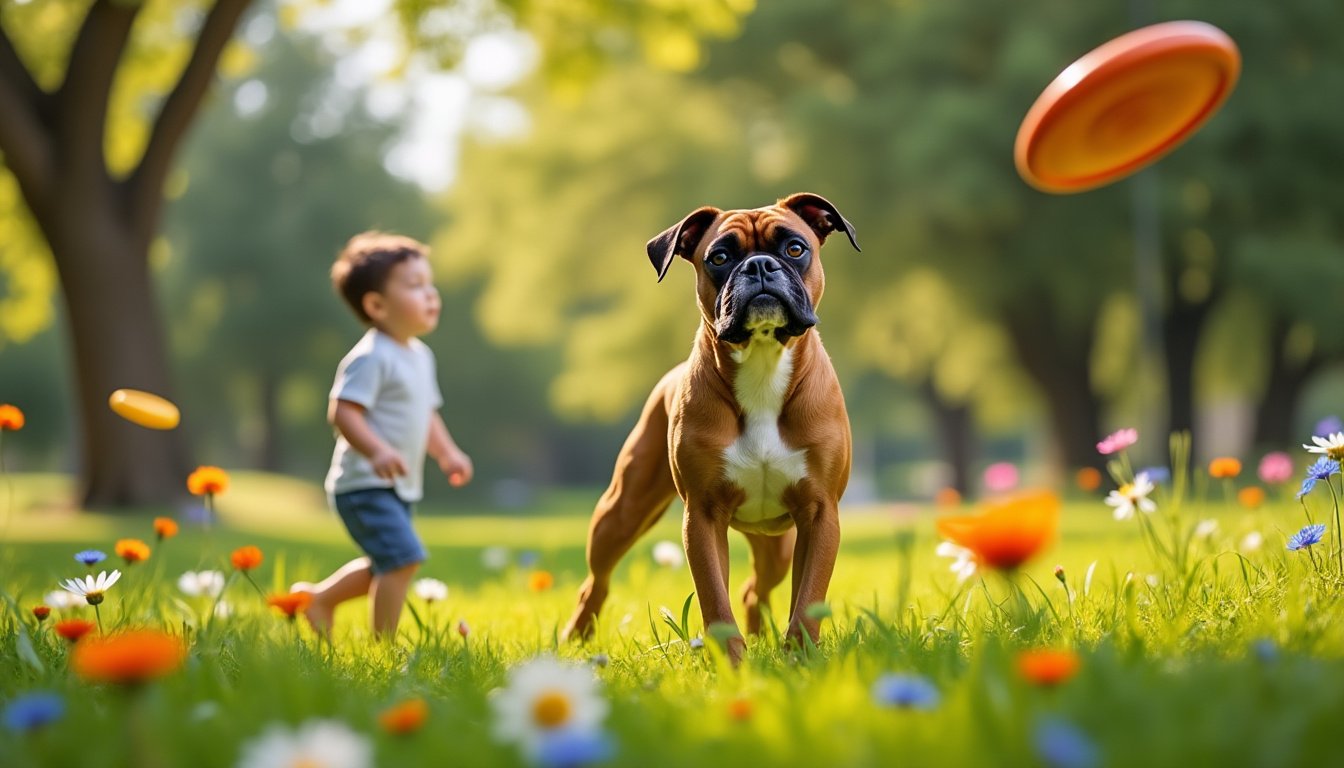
x=1328 y=426
x=1157 y=474
x=90 y=557
x=905 y=692
x=573 y=747
x=528 y=558
x=1309 y=535
x=1265 y=650
x=1062 y=745
x=33 y=710
x=1321 y=470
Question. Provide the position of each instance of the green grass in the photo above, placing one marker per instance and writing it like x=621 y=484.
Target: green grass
x=1168 y=675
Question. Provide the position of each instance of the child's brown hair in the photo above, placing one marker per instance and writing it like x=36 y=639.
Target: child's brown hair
x=365 y=263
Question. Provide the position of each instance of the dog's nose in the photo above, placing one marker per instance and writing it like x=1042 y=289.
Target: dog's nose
x=761 y=266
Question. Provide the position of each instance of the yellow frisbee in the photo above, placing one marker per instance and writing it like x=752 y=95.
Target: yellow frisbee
x=1125 y=104
x=144 y=409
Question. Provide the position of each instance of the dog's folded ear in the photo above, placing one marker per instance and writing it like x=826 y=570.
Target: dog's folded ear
x=681 y=239
x=820 y=215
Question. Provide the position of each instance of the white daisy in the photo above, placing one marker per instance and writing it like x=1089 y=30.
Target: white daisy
x=1332 y=446
x=544 y=696
x=315 y=744
x=1252 y=542
x=1133 y=496
x=669 y=554
x=89 y=588
x=964 y=562
x=1206 y=529
x=198 y=583
x=430 y=590
x=61 y=599
x=495 y=558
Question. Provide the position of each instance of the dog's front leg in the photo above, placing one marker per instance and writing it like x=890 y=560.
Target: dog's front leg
x=813 y=563
x=706 y=538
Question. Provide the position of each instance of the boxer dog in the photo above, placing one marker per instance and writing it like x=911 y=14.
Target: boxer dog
x=751 y=431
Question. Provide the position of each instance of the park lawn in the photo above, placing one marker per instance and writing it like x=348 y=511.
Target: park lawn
x=1235 y=659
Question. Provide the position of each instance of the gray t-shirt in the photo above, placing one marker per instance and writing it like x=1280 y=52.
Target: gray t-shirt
x=398 y=388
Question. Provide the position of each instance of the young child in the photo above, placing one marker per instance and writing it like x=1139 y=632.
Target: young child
x=384 y=406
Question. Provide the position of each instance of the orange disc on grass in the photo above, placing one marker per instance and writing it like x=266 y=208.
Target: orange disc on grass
x=145 y=409
x=1125 y=104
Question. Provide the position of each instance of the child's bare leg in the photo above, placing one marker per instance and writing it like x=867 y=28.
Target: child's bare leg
x=347 y=582
x=388 y=595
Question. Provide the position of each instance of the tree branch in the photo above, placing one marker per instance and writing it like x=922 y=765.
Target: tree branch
x=83 y=97
x=176 y=114
x=24 y=141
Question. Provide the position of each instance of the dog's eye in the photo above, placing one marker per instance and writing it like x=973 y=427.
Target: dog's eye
x=795 y=249
x=717 y=258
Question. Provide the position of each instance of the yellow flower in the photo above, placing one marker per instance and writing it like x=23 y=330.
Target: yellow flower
x=165 y=527
x=1046 y=667
x=404 y=718
x=132 y=550
x=1009 y=532
x=11 y=418
x=208 y=481
x=540 y=581
x=246 y=558
x=128 y=658
x=1251 y=497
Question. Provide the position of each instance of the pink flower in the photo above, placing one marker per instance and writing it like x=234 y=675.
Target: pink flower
x=1001 y=477
x=1276 y=467
x=1118 y=441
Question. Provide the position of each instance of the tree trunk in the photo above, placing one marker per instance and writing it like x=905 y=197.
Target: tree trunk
x=955 y=435
x=1058 y=360
x=1283 y=390
x=1181 y=330
x=117 y=343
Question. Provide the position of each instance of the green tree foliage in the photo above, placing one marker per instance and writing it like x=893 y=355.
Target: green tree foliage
x=92 y=161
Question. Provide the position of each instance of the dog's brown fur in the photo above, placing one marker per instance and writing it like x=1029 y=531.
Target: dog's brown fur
x=692 y=417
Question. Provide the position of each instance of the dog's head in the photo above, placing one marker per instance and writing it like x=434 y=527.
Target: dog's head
x=757 y=271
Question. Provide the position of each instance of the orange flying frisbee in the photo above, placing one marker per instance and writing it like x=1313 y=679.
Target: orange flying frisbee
x=147 y=410
x=1125 y=104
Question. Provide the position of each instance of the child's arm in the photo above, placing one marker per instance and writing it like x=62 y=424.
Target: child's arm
x=349 y=418
x=454 y=464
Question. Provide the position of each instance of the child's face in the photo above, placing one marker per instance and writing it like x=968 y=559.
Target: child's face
x=408 y=305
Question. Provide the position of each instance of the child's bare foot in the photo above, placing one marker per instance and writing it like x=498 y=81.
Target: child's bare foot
x=318 y=613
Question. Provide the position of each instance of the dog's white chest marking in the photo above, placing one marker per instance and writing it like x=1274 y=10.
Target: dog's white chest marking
x=758 y=461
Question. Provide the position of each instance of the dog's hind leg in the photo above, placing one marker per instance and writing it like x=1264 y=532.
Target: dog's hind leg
x=770 y=559
x=640 y=492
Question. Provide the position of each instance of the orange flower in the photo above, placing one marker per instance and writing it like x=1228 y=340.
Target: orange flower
x=208 y=481
x=1251 y=497
x=11 y=418
x=740 y=708
x=291 y=603
x=540 y=581
x=129 y=658
x=1009 y=532
x=41 y=612
x=246 y=558
x=1087 y=479
x=404 y=718
x=1047 y=667
x=132 y=550
x=73 y=629
x=165 y=527
x=947 y=497
x=1224 y=467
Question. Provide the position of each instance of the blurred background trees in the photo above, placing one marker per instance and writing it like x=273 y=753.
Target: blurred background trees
x=983 y=321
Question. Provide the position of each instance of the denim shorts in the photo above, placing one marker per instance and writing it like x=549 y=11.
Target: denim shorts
x=380 y=523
